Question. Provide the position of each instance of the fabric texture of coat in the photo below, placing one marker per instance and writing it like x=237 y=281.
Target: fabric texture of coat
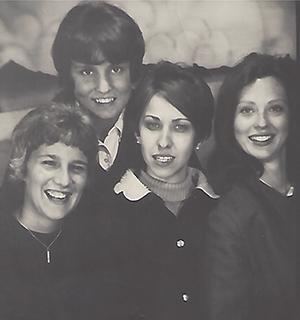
x=163 y=251
x=251 y=255
x=80 y=282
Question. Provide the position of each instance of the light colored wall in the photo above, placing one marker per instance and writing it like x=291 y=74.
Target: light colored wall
x=210 y=33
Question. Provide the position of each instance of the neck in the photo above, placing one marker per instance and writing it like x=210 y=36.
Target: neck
x=275 y=175
x=37 y=225
x=102 y=126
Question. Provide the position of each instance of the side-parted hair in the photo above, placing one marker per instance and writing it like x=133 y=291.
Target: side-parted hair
x=49 y=124
x=94 y=27
x=230 y=162
x=183 y=87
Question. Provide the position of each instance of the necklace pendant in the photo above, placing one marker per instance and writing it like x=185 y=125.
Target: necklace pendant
x=48 y=256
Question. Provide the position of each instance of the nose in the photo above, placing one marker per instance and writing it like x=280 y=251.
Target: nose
x=164 y=139
x=62 y=177
x=103 y=83
x=261 y=121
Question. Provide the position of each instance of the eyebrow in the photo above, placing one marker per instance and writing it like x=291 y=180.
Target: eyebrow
x=278 y=100
x=79 y=64
x=271 y=101
x=53 y=156
x=174 y=120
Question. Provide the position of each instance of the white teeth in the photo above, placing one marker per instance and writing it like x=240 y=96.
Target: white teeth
x=260 y=138
x=104 y=100
x=57 y=194
x=163 y=158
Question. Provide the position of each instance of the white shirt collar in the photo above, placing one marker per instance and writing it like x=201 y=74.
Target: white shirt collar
x=133 y=189
x=108 y=148
x=118 y=125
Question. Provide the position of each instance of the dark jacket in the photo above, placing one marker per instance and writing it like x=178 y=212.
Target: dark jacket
x=251 y=255
x=163 y=251
x=101 y=184
x=81 y=282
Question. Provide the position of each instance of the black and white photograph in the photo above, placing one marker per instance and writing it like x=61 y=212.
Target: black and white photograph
x=149 y=160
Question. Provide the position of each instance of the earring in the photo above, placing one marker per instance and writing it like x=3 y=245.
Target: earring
x=137 y=139
x=198 y=146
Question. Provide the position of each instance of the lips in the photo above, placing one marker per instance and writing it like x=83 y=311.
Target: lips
x=163 y=159
x=56 y=195
x=104 y=100
x=262 y=139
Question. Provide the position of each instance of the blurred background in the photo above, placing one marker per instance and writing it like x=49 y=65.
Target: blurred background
x=209 y=33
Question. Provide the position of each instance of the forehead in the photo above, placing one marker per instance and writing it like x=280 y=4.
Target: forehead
x=60 y=151
x=267 y=89
x=98 y=66
x=158 y=106
x=95 y=57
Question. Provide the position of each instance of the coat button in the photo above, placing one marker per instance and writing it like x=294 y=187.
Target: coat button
x=185 y=297
x=180 y=243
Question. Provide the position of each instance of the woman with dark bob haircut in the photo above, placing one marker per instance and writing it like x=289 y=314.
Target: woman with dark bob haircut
x=162 y=202
x=95 y=29
x=252 y=243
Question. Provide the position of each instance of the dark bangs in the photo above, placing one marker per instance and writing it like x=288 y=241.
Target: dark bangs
x=193 y=100
x=104 y=35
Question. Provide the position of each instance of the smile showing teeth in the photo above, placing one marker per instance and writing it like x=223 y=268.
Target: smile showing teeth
x=56 y=195
x=260 y=138
x=104 y=100
x=163 y=159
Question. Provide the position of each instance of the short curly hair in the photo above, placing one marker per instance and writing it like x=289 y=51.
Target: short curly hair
x=49 y=124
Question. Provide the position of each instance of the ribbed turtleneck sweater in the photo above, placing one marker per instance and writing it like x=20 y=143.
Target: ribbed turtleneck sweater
x=173 y=194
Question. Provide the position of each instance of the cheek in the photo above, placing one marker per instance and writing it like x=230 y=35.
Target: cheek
x=81 y=86
x=80 y=182
x=123 y=84
x=281 y=124
x=185 y=145
x=241 y=126
x=146 y=138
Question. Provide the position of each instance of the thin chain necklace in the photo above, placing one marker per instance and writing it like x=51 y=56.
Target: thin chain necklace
x=48 y=253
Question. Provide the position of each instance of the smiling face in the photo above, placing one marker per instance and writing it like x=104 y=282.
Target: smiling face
x=55 y=179
x=104 y=89
x=261 y=119
x=167 y=140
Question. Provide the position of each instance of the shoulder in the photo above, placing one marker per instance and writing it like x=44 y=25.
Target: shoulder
x=236 y=208
x=203 y=186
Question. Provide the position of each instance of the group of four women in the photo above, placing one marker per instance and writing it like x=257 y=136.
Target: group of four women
x=106 y=210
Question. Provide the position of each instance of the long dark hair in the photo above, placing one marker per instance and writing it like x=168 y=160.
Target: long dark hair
x=229 y=162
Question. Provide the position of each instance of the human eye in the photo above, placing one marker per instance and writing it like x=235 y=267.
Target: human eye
x=49 y=163
x=277 y=108
x=78 y=168
x=152 y=124
x=246 y=110
x=86 y=72
x=182 y=126
x=116 y=69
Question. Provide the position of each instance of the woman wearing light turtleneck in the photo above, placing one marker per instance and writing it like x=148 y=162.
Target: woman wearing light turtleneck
x=162 y=205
